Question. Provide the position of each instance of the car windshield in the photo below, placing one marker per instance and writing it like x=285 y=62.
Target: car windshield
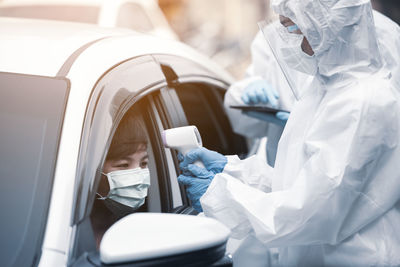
x=85 y=14
x=31 y=115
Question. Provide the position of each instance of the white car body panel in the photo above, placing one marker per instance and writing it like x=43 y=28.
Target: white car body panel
x=52 y=258
x=23 y=46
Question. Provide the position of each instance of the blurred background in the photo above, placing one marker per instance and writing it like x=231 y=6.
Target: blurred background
x=221 y=29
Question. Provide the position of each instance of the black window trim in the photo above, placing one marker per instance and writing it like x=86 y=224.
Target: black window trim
x=158 y=153
x=167 y=102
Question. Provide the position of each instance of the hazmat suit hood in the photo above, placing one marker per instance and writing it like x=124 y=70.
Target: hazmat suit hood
x=341 y=33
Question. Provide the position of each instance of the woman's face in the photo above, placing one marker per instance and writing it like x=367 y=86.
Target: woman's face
x=138 y=159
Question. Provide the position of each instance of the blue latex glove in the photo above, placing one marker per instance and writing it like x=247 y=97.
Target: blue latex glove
x=260 y=92
x=279 y=118
x=213 y=161
x=196 y=185
x=197 y=179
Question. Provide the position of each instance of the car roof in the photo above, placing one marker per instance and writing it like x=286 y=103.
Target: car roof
x=42 y=47
x=47 y=44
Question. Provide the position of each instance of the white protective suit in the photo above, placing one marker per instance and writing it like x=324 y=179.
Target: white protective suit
x=264 y=66
x=335 y=186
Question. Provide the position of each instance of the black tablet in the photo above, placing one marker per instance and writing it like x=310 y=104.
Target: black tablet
x=262 y=109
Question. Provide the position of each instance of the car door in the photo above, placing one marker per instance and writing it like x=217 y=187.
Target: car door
x=144 y=86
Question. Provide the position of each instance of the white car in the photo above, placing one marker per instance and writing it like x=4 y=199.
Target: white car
x=139 y=15
x=64 y=89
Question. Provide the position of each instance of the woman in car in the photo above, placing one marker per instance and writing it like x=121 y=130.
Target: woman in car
x=125 y=176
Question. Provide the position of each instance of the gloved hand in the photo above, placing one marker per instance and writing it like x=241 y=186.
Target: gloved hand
x=213 y=161
x=196 y=185
x=262 y=92
x=197 y=179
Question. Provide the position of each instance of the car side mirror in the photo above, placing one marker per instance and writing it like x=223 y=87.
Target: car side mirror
x=152 y=239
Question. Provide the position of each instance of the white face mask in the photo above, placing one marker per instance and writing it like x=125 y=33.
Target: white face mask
x=294 y=56
x=128 y=187
x=296 y=59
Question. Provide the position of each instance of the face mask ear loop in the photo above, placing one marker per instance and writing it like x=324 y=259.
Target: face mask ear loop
x=108 y=179
x=100 y=197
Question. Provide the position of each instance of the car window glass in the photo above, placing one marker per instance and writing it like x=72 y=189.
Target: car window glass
x=31 y=115
x=133 y=16
x=81 y=13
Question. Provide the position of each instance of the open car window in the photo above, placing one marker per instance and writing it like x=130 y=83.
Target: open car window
x=129 y=180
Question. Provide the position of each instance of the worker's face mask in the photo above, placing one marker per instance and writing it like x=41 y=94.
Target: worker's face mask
x=296 y=59
x=292 y=53
x=127 y=187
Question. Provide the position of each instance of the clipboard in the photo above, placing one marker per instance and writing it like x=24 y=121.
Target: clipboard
x=262 y=109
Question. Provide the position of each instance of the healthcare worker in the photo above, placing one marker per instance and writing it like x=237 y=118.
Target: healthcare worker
x=333 y=197
x=250 y=251
x=264 y=75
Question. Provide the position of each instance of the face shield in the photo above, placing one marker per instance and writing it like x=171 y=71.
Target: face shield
x=285 y=44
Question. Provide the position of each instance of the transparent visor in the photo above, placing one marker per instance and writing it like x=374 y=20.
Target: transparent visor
x=277 y=36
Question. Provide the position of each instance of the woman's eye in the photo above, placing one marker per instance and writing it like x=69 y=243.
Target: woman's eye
x=143 y=164
x=122 y=165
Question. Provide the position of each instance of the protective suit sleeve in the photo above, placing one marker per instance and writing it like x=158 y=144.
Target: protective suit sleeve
x=347 y=140
x=251 y=171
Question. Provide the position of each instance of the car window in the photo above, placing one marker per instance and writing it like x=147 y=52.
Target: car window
x=129 y=181
x=203 y=107
x=31 y=115
x=81 y=13
x=113 y=94
x=128 y=90
x=134 y=16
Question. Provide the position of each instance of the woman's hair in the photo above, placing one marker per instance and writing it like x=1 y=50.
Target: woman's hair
x=129 y=137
